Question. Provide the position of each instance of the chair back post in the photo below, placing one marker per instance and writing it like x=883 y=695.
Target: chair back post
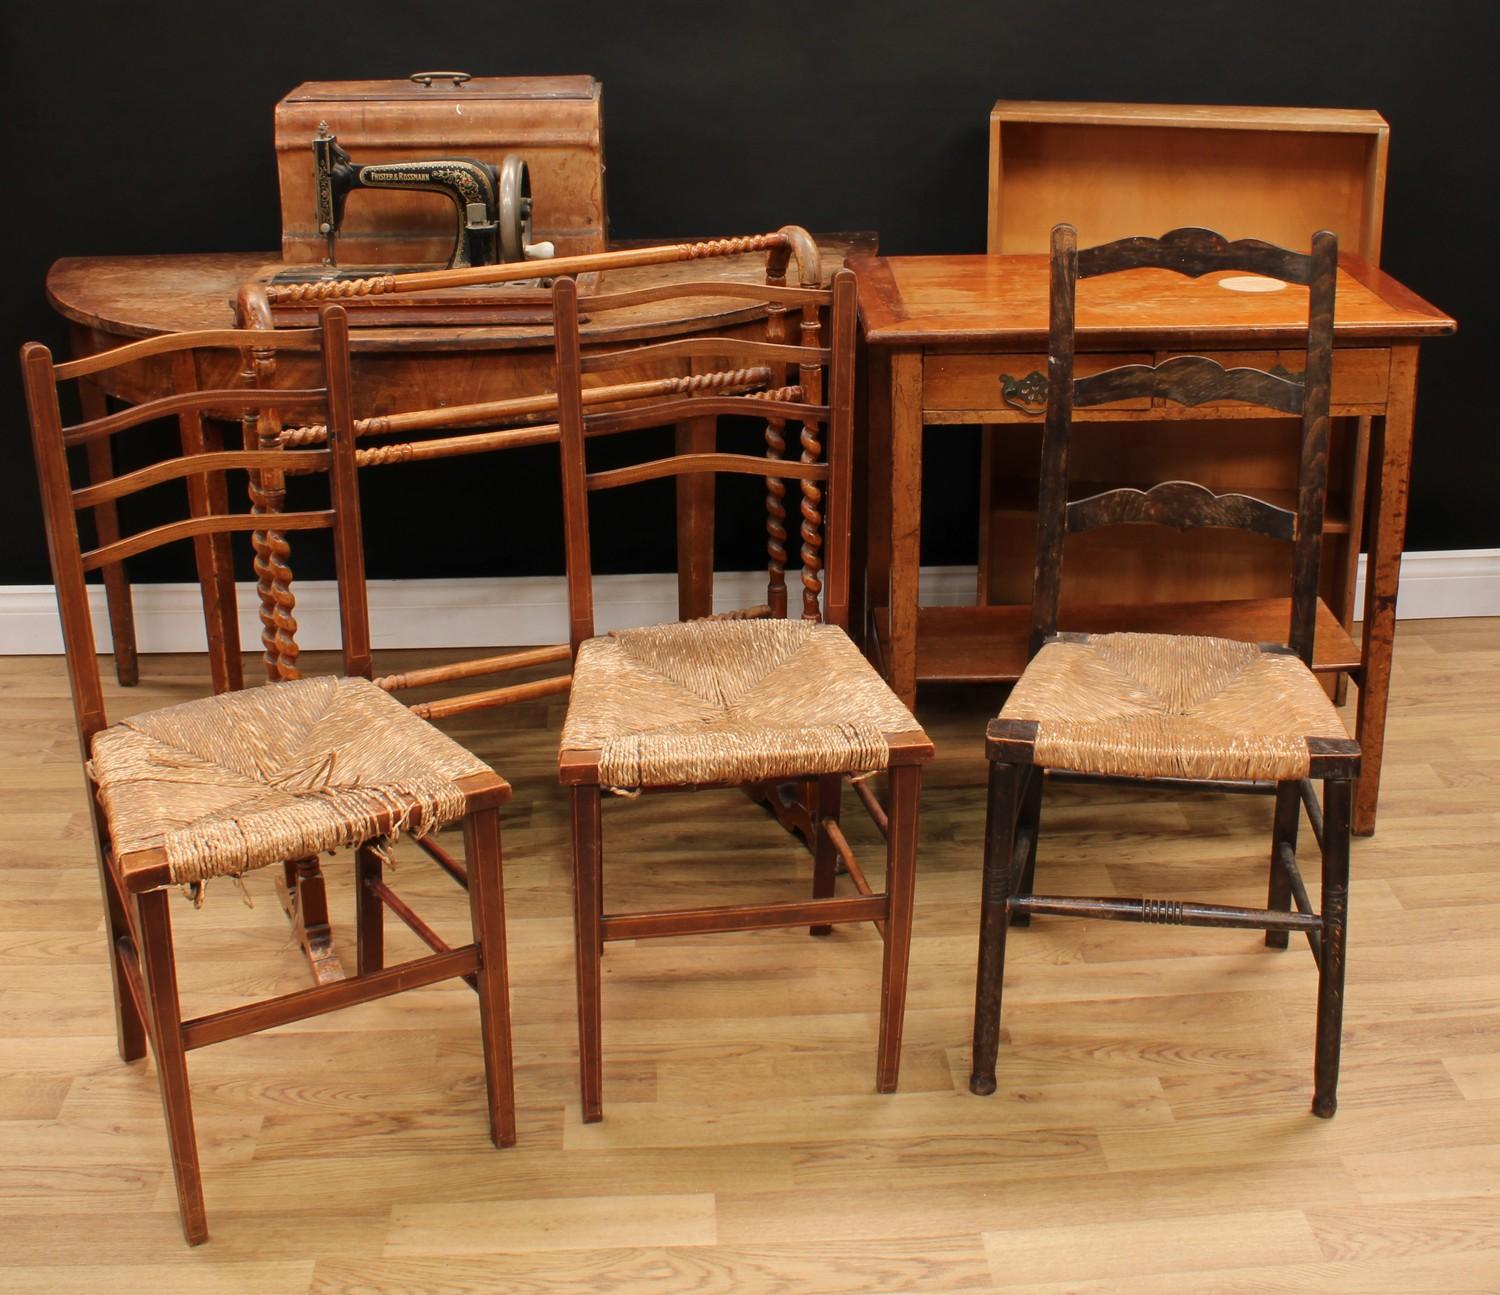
x=575 y=491
x=63 y=544
x=1056 y=433
x=838 y=508
x=794 y=241
x=1312 y=475
x=348 y=539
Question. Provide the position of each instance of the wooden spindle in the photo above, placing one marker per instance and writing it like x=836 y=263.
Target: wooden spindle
x=517 y=271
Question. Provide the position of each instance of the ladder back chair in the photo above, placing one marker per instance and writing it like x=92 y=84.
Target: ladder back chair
x=247 y=779
x=749 y=698
x=1181 y=709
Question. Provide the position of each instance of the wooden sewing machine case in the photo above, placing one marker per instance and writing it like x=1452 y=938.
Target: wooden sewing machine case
x=553 y=122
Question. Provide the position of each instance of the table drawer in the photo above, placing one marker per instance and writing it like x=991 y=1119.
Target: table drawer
x=1006 y=388
x=1360 y=374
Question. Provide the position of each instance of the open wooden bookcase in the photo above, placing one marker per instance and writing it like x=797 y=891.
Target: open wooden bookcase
x=1114 y=170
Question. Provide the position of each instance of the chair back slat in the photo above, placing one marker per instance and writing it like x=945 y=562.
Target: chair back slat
x=1182 y=504
x=688 y=348
x=210 y=524
x=1195 y=252
x=679 y=465
x=664 y=412
x=777 y=294
x=822 y=461
x=130 y=483
x=228 y=398
x=209 y=521
x=1187 y=381
x=203 y=339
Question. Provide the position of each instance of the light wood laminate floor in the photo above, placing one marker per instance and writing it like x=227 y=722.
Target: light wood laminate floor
x=1150 y=1133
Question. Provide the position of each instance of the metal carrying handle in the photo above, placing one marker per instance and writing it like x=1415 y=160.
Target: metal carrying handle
x=1028 y=394
x=427 y=78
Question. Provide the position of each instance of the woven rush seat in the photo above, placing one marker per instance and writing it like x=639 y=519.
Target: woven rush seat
x=729 y=701
x=1170 y=706
x=234 y=782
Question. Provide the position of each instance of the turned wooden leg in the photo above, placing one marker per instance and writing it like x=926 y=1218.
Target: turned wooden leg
x=1028 y=828
x=1337 y=797
x=92 y=404
x=900 y=885
x=994 y=914
x=369 y=912
x=1284 y=833
x=130 y=1025
x=159 y=976
x=587 y=873
x=304 y=896
x=825 y=857
x=487 y=911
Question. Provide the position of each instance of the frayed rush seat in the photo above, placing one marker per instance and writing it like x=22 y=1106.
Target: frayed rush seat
x=1170 y=706
x=235 y=782
x=730 y=701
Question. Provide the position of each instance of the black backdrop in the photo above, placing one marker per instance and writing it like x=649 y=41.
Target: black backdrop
x=140 y=127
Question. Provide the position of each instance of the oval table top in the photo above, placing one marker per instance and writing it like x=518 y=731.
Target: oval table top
x=127 y=297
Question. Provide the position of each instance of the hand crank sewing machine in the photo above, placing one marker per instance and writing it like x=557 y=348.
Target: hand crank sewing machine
x=493 y=204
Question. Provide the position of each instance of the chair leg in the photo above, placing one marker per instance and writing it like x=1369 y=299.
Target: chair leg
x=1337 y=794
x=1288 y=817
x=1028 y=828
x=830 y=790
x=900 y=887
x=159 y=975
x=487 y=913
x=587 y=910
x=304 y=897
x=999 y=884
x=130 y=1028
x=369 y=912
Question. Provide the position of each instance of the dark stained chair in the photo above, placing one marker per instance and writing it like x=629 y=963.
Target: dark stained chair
x=249 y=778
x=1184 y=709
x=751 y=698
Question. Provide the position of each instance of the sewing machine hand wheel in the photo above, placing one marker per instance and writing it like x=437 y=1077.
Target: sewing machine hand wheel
x=514 y=217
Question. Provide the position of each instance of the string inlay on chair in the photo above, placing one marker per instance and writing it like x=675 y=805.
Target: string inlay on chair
x=242 y=780
x=1166 y=706
x=729 y=701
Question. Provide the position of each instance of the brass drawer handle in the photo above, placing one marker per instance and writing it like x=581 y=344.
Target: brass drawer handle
x=427 y=78
x=1028 y=394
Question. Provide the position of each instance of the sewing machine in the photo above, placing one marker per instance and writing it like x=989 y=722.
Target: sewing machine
x=492 y=204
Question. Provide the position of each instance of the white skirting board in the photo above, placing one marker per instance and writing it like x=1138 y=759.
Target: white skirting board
x=533 y=609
